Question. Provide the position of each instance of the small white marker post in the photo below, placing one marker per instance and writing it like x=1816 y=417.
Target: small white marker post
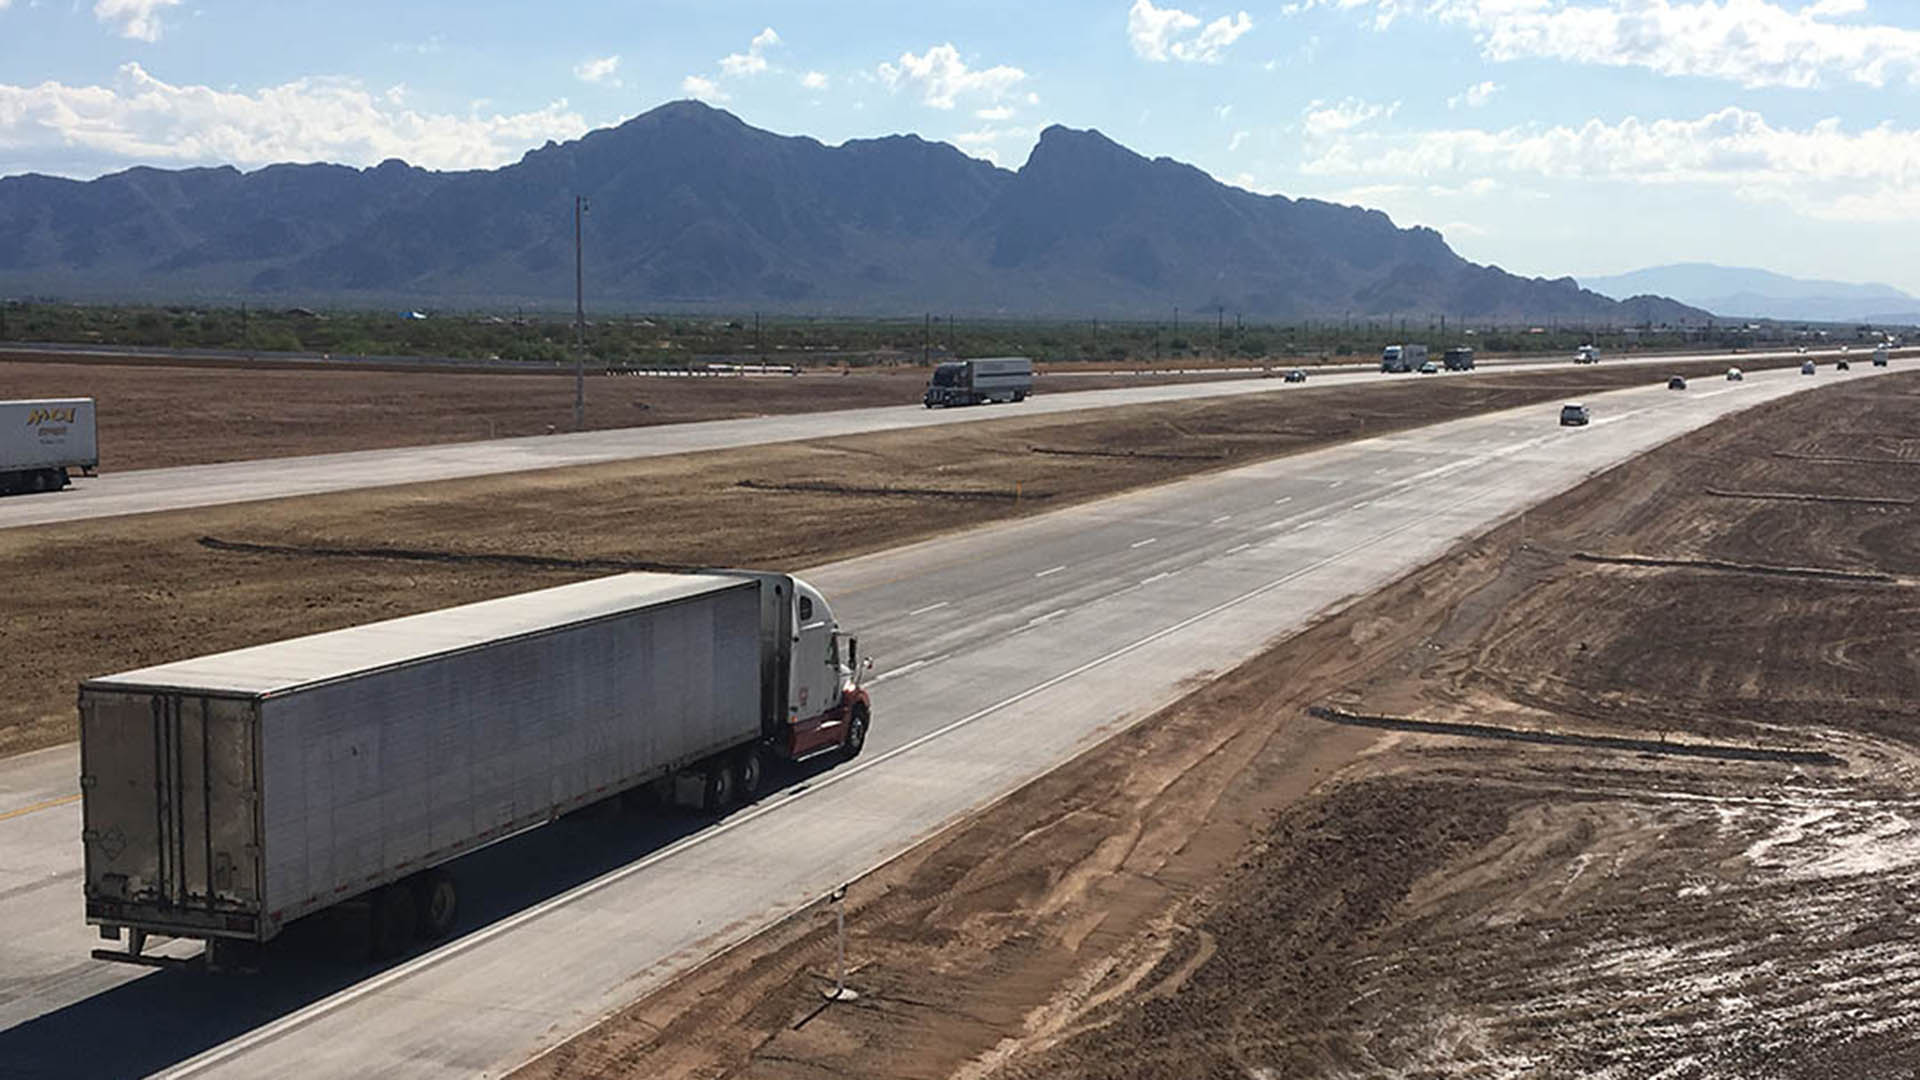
x=841 y=991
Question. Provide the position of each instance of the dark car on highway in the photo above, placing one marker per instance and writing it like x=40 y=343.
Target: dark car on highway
x=1574 y=414
x=1677 y=383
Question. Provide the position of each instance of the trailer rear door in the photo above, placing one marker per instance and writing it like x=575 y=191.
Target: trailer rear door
x=175 y=822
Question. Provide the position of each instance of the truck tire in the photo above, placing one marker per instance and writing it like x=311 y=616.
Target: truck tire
x=436 y=902
x=856 y=740
x=751 y=773
x=721 y=790
x=393 y=921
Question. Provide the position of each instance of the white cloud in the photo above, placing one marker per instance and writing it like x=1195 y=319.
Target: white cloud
x=139 y=19
x=600 y=69
x=998 y=112
x=142 y=119
x=814 y=80
x=1755 y=43
x=1238 y=138
x=942 y=77
x=707 y=90
x=1162 y=34
x=981 y=143
x=754 y=60
x=1823 y=172
x=1474 y=96
x=1323 y=119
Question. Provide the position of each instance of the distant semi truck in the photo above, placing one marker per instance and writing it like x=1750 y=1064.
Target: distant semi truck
x=1401 y=358
x=41 y=441
x=227 y=796
x=978 y=382
x=1458 y=358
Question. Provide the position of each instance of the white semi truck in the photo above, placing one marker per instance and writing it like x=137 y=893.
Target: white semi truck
x=42 y=440
x=1402 y=358
x=225 y=797
x=979 y=382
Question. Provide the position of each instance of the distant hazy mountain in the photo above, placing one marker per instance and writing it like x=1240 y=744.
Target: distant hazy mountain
x=692 y=208
x=1738 y=293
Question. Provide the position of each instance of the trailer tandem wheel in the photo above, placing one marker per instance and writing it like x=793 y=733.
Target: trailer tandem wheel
x=437 y=903
x=752 y=772
x=721 y=789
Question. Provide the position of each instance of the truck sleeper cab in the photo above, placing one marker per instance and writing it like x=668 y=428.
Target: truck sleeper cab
x=979 y=382
x=227 y=796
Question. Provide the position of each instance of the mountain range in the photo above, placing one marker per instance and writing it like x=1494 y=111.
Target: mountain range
x=691 y=208
x=1736 y=292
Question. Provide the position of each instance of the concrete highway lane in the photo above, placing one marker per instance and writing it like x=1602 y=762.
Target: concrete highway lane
x=1000 y=653
x=150 y=490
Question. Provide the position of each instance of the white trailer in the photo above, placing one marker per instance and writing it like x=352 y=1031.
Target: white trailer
x=1402 y=358
x=980 y=382
x=41 y=440
x=227 y=796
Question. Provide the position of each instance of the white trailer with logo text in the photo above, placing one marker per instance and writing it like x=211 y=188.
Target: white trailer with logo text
x=41 y=440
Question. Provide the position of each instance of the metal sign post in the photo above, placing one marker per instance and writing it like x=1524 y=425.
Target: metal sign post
x=841 y=991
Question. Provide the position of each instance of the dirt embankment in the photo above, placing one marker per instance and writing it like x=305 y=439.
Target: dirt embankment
x=1238 y=890
x=94 y=597
x=154 y=416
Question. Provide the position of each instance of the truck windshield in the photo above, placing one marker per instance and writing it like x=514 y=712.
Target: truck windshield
x=946 y=375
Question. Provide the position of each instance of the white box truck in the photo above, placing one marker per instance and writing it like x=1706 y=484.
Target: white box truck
x=979 y=382
x=225 y=797
x=41 y=440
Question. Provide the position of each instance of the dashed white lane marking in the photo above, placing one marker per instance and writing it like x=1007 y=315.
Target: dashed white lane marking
x=1235 y=550
x=1283 y=500
x=929 y=607
x=1361 y=503
x=1221 y=518
x=1161 y=576
x=1045 y=573
x=1144 y=543
x=1305 y=525
x=899 y=671
x=1048 y=617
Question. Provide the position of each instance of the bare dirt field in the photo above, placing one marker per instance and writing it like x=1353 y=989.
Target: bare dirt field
x=1240 y=889
x=153 y=416
x=94 y=597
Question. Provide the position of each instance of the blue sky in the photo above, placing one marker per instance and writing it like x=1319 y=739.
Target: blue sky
x=1548 y=136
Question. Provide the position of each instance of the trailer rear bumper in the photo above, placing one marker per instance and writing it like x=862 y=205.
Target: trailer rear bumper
x=178 y=922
